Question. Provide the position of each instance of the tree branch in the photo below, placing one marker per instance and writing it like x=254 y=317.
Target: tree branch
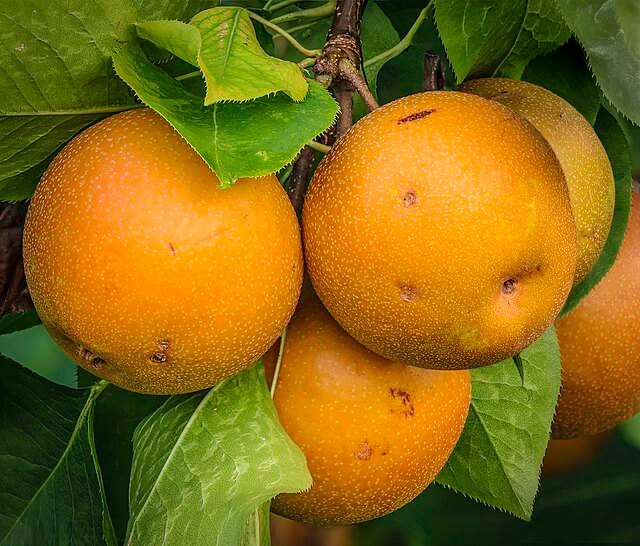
x=433 y=79
x=339 y=65
x=299 y=178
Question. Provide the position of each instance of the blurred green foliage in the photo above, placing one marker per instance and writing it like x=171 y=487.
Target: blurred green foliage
x=35 y=349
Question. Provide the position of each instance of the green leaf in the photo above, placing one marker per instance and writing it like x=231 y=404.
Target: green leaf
x=498 y=457
x=612 y=54
x=223 y=44
x=14 y=322
x=542 y=31
x=377 y=36
x=50 y=486
x=257 y=529
x=485 y=37
x=565 y=73
x=630 y=431
x=629 y=15
x=181 y=39
x=236 y=139
x=118 y=413
x=203 y=463
x=57 y=77
x=479 y=35
x=617 y=147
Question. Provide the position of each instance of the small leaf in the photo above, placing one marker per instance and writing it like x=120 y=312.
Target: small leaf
x=498 y=457
x=479 y=35
x=617 y=147
x=223 y=44
x=236 y=139
x=612 y=53
x=542 y=31
x=181 y=39
x=50 y=486
x=14 y=322
x=565 y=73
x=203 y=463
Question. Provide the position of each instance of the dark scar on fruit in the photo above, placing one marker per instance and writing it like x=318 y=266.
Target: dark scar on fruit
x=405 y=397
x=160 y=357
x=364 y=452
x=416 y=115
x=172 y=248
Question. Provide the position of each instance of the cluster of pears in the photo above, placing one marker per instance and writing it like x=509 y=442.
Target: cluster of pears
x=443 y=232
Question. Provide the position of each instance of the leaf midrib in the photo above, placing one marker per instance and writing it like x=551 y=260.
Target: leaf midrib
x=172 y=454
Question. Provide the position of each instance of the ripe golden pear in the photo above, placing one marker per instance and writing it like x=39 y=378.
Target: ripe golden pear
x=583 y=158
x=375 y=433
x=145 y=272
x=600 y=348
x=438 y=232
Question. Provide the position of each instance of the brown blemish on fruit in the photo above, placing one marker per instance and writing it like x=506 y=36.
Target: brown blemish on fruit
x=405 y=398
x=158 y=358
x=409 y=293
x=84 y=353
x=97 y=363
x=409 y=199
x=364 y=452
x=416 y=115
x=163 y=345
x=172 y=248
x=509 y=286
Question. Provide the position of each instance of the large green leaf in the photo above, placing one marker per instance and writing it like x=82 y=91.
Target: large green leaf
x=223 y=44
x=57 y=77
x=236 y=139
x=50 y=486
x=118 y=413
x=378 y=35
x=617 y=147
x=203 y=463
x=565 y=73
x=541 y=32
x=601 y=26
x=478 y=35
x=486 y=36
x=498 y=457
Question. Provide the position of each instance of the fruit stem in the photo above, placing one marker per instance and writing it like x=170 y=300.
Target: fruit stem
x=404 y=43
x=279 y=5
x=269 y=24
x=319 y=147
x=276 y=372
x=312 y=13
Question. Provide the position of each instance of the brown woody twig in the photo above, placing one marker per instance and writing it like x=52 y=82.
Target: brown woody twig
x=433 y=79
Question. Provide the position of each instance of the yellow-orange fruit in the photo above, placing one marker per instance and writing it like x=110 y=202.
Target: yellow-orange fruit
x=148 y=275
x=583 y=158
x=439 y=233
x=600 y=348
x=563 y=456
x=375 y=433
